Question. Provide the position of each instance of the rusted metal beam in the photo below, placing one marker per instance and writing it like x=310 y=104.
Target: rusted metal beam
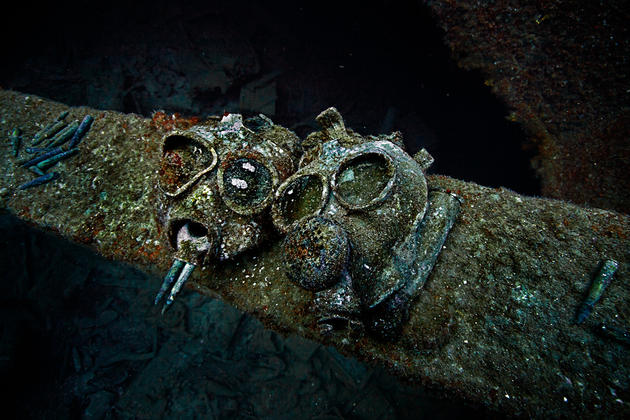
x=494 y=323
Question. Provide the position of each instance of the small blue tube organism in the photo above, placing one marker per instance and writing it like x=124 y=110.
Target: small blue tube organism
x=48 y=132
x=81 y=131
x=36 y=170
x=63 y=136
x=44 y=132
x=16 y=140
x=41 y=158
x=39 y=181
x=32 y=150
x=45 y=164
x=600 y=282
x=62 y=116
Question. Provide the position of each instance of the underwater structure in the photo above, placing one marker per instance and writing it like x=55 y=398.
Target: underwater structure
x=511 y=302
x=562 y=69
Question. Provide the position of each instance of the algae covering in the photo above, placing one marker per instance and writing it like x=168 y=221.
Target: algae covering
x=493 y=324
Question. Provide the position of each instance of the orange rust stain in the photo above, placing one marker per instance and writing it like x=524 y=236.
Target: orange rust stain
x=167 y=122
x=302 y=252
x=612 y=230
x=90 y=228
x=150 y=255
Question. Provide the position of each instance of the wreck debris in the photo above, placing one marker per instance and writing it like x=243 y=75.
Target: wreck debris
x=441 y=214
x=37 y=159
x=424 y=158
x=367 y=249
x=31 y=150
x=169 y=279
x=459 y=336
x=62 y=115
x=192 y=245
x=216 y=183
x=36 y=170
x=183 y=277
x=600 y=282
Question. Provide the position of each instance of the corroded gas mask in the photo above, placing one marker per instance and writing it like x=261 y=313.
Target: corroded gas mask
x=216 y=181
x=363 y=232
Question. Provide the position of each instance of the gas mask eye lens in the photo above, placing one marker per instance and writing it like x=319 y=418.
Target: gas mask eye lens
x=364 y=180
x=246 y=182
x=300 y=198
x=184 y=160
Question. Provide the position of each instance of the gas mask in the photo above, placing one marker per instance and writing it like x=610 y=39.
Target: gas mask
x=216 y=183
x=362 y=230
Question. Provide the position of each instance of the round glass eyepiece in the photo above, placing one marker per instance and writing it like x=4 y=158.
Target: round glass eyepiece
x=298 y=198
x=364 y=180
x=246 y=184
x=184 y=161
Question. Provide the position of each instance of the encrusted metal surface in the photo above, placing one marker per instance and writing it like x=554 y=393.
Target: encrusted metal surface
x=562 y=69
x=216 y=183
x=367 y=248
x=494 y=322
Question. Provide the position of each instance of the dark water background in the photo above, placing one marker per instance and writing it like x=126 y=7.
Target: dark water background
x=79 y=336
